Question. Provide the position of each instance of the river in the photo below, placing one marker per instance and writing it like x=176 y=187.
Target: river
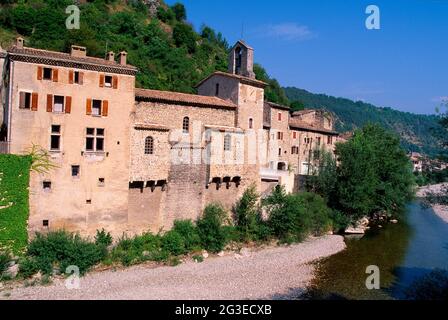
x=403 y=252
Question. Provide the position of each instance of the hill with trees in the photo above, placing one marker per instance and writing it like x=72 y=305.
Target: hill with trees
x=417 y=132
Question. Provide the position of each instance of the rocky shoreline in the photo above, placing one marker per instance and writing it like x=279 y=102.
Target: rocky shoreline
x=439 y=210
x=273 y=273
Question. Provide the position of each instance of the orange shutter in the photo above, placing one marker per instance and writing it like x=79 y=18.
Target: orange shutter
x=49 y=103
x=81 y=78
x=55 y=75
x=105 y=108
x=34 y=101
x=115 y=82
x=101 y=80
x=68 y=104
x=89 y=107
x=40 y=72
x=71 y=76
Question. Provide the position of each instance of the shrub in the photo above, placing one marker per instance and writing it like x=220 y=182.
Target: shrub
x=433 y=286
x=340 y=220
x=28 y=267
x=210 y=228
x=103 y=238
x=247 y=215
x=4 y=261
x=189 y=233
x=64 y=249
x=173 y=243
x=138 y=249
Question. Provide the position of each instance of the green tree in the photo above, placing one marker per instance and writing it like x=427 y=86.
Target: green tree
x=184 y=35
x=179 y=11
x=374 y=175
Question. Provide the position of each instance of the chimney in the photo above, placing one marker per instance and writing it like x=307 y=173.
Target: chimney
x=19 y=42
x=110 y=56
x=79 y=52
x=122 y=57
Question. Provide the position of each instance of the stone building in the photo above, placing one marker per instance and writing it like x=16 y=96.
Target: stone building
x=131 y=160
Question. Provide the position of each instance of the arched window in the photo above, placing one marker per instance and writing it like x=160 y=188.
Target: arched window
x=227 y=142
x=186 y=125
x=149 y=145
x=251 y=123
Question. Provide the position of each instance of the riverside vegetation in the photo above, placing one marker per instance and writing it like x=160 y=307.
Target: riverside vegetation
x=373 y=175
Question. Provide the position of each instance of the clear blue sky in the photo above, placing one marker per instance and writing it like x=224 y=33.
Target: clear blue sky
x=323 y=46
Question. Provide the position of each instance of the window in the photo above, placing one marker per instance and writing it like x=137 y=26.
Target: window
x=149 y=145
x=279 y=152
x=94 y=140
x=238 y=60
x=186 y=125
x=295 y=150
x=318 y=141
x=227 y=142
x=48 y=74
x=25 y=100
x=329 y=140
x=279 y=116
x=251 y=123
x=108 y=81
x=279 y=135
x=96 y=107
x=55 y=143
x=77 y=78
x=76 y=171
x=58 y=104
x=101 y=182
x=217 y=90
x=45 y=223
x=46 y=185
x=294 y=135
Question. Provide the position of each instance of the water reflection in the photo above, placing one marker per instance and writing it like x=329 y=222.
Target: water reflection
x=403 y=252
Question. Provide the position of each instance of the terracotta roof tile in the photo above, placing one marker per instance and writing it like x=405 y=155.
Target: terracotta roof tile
x=295 y=123
x=246 y=80
x=53 y=56
x=182 y=98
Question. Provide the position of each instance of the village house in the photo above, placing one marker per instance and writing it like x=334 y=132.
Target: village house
x=131 y=160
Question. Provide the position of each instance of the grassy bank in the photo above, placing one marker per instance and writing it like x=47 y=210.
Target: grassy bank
x=14 y=205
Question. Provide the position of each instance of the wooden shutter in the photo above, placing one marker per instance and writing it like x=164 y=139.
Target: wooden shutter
x=115 y=82
x=49 y=103
x=40 y=72
x=68 y=104
x=34 y=101
x=55 y=75
x=81 y=78
x=71 y=76
x=22 y=100
x=105 y=108
x=101 y=80
x=89 y=107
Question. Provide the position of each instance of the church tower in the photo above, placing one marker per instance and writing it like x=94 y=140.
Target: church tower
x=241 y=60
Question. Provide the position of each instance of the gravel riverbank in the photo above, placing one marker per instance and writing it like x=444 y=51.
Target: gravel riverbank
x=274 y=273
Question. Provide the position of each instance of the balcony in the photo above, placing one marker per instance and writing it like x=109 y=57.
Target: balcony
x=4 y=147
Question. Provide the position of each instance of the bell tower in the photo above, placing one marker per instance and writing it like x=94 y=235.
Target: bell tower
x=241 y=60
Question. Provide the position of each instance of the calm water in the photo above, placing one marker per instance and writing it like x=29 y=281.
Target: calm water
x=414 y=247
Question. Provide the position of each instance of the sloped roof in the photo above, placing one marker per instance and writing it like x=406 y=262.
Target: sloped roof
x=33 y=55
x=295 y=123
x=182 y=98
x=242 y=79
x=276 y=106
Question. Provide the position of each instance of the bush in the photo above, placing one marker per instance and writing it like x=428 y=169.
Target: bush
x=138 y=249
x=103 y=238
x=189 y=233
x=340 y=220
x=433 y=286
x=4 y=261
x=28 y=267
x=247 y=215
x=292 y=217
x=63 y=249
x=173 y=243
x=210 y=228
